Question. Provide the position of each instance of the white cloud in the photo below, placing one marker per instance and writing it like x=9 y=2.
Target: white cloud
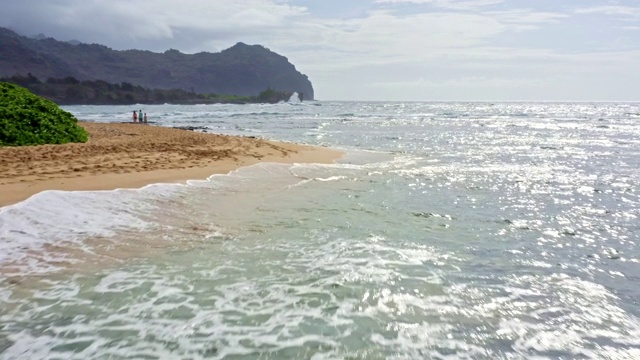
x=447 y=4
x=527 y=16
x=123 y=24
x=610 y=10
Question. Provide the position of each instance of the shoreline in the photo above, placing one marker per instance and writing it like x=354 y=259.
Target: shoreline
x=126 y=155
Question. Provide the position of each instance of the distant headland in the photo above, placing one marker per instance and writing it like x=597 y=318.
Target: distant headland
x=242 y=73
x=71 y=91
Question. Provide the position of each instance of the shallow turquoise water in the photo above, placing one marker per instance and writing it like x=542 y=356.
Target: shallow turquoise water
x=449 y=230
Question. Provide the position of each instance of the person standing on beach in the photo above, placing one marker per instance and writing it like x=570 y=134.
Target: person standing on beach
x=140 y=116
x=135 y=116
x=145 y=118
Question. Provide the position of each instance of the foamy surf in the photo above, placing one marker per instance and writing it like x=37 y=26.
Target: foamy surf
x=54 y=230
x=463 y=231
x=51 y=229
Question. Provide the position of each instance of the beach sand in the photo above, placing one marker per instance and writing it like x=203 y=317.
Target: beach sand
x=128 y=155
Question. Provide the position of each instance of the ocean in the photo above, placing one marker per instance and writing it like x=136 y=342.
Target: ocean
x=447 y=231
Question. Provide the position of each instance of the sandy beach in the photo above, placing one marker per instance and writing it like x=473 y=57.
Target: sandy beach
x=127 y=155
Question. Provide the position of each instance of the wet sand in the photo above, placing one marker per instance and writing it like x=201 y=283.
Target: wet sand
x=128 y=155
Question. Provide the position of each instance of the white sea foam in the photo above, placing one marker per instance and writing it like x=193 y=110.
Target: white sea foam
x=58 y=219
x=449 y=230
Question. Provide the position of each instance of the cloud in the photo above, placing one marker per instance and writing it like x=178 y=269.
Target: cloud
x=447 y=4
x=124 y=24
x=527 y=16
x=375 y=49
x=611 y=10
x=389 y=37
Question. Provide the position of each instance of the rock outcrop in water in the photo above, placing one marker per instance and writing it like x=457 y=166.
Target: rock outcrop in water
x=242 y=69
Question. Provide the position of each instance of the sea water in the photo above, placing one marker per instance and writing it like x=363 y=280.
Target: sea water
x=447 y=230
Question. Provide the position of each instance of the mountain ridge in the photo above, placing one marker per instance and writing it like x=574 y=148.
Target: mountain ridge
x=241 y=69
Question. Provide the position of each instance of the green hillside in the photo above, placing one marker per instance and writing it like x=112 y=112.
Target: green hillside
x=242 y=70
x=71 y=91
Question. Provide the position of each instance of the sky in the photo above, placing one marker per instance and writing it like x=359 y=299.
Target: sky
x=382 y=50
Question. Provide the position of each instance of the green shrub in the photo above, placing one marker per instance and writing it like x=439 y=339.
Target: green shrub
x=27 y=119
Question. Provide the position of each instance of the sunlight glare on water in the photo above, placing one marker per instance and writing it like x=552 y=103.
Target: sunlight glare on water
x=448 y=230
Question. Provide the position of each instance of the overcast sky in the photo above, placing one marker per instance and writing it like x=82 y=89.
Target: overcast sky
x=382 y=49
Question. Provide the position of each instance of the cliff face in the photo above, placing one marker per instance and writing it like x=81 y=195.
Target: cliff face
x=240 y=70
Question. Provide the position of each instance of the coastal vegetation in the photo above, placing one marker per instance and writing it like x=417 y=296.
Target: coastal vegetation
x=71 y=91
x=28 y=119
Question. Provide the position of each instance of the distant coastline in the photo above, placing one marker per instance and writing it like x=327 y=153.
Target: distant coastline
x=243 y=70
x=71 y=91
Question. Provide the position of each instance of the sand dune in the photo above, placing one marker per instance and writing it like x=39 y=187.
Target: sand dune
x=125 y=155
